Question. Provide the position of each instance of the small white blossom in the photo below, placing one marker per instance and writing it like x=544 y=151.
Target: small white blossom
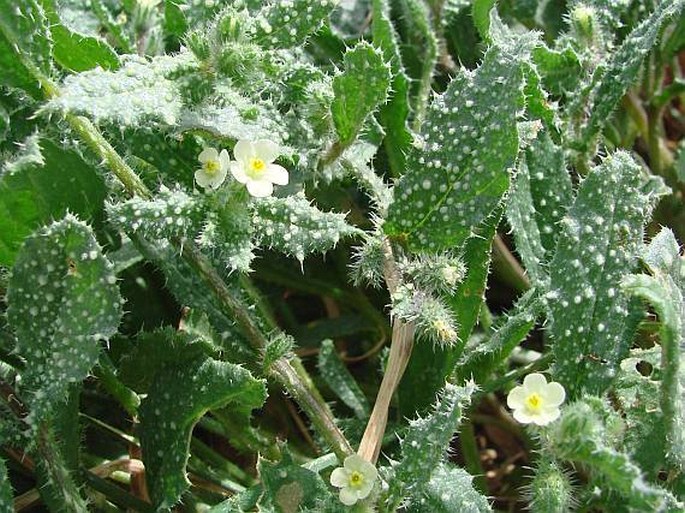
x=355 y=479
x=254 y=167
x=536 y=401
x=214 y=168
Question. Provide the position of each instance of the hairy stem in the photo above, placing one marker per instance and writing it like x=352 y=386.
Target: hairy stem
x=400 y=352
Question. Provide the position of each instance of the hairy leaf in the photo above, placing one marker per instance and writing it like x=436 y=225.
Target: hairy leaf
x=458 y=175
x=599 y=242
x=6 y=497
x=339 y=379
x=44 y=182
x=178 y=397
x=359 y=90
x=63 y=300
x=611 y=81
x=295 y=227
x=449 y=489
x=288 y=24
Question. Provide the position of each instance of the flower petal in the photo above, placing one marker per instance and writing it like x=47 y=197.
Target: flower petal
x=354 y=462
x=516 y=397
x=522 y=416
x=224 y=160
x=260 y=188
x=534 y=382
x=267 y=150
x=340 y=478
x=348 y=496
x=546 y=416
x=238 y=172
x=365 y=489
x=218 y=178
x=243 y=150
x=201 y=178
x=276 y=174
x=208 y=154
x=553 y=394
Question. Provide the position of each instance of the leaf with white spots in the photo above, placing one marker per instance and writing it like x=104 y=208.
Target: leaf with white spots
x=43 y=183
x=288 y=487
x=24 y=43
x=459 y=172
x=427 y=439
x=601 y=235
x=295 y=227
x=172 y=213
x=541 y=193
x=135 y=95
x=612 y=80
x=448 y=490
x=285 y=24
x=359 y=90
x=63 y=301
x=178 y=397
x=339 y=379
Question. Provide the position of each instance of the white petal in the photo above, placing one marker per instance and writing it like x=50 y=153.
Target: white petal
x=266 y=150
x=238 y=172
x=260 y=188
x=534 y=382
x=553 y=394
x=340 y=478
x=365 y=489
x=243 y=150
x=218 y=179
x=523 y=417
x=276 y=174
x=516 y=398
x=354 y=462
x=546 y=416
x=201 y=178
x=224 y=159
x=348 y=496
x=208 y=154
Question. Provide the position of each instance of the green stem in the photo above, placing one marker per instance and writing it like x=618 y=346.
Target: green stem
x=467 y=440
x=116 y=494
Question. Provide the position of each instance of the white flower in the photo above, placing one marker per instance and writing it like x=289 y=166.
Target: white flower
x=355 y=479
x=254 y=167
x=536 y=400
x=214 y=168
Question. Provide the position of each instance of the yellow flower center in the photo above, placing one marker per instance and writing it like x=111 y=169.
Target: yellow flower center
x=212 y=167
x=356 y=479
x=256 y=167
x=534 y=402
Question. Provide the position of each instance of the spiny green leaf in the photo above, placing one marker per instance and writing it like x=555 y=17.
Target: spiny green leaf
x=427 y=439
x=449 y=489
x=289 y=487
x=550 y=490
x=138 y=93
x=394 y=114
x=78 y=52
x=295 y=227
x=611 y=81
x=25 y=48
x=63 y=300
x=44 y=182
x=665 y=294
x=598 y=243
x=6 y=496
x=172 y=213
x=177 y=399
x=359 y=89
x=339 y=379
x=582 y=435
x=482 y=359
x=288 y=24
x=458 y=176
